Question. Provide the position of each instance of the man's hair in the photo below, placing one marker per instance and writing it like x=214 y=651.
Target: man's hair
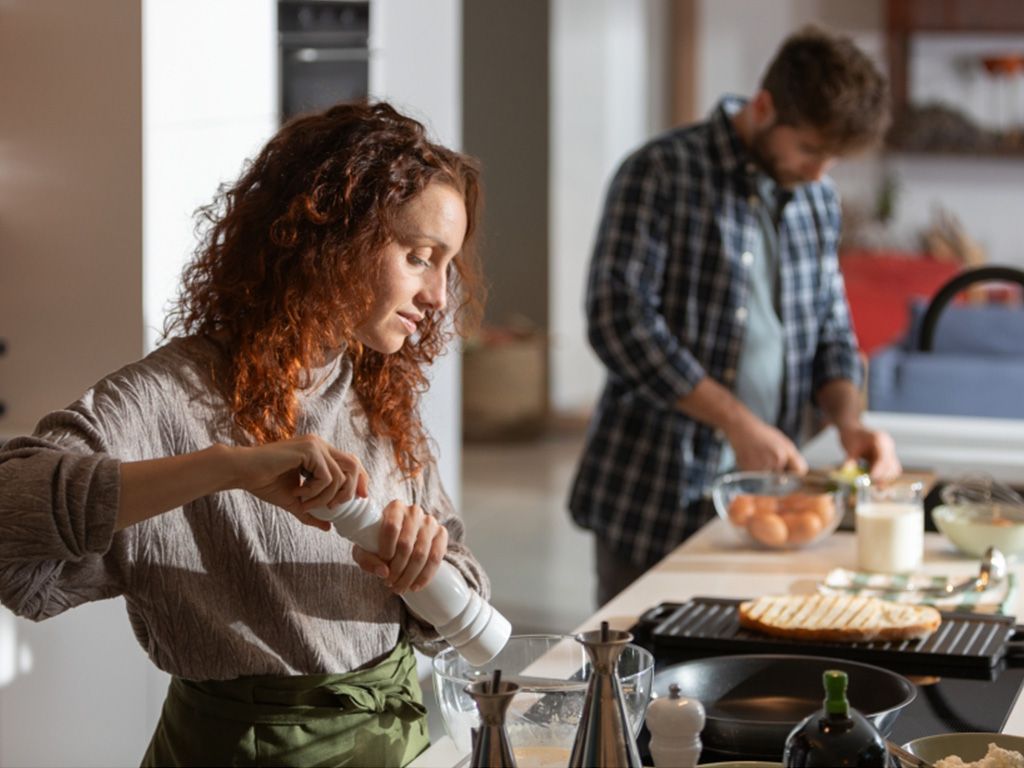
x=823 y=81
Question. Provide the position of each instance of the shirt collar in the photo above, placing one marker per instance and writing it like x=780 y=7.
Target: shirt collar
x=734 y=156
x=732 y=152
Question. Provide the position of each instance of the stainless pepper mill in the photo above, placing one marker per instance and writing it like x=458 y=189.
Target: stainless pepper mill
x=491 y=748
x=605 y=737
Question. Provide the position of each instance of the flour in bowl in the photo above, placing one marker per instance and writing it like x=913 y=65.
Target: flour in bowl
x=996 y=757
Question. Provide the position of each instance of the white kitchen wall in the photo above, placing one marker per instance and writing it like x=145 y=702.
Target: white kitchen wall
x=417 y=66
x=606 y=99
x=209 y=103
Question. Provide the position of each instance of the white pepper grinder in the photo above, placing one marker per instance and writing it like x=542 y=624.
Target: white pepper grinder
x=463 y=618
x=675 y=724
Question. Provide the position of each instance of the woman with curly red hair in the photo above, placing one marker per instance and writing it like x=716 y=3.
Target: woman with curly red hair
x=332 y=273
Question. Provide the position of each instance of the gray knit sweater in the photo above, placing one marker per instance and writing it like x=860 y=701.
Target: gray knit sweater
x=227 y=585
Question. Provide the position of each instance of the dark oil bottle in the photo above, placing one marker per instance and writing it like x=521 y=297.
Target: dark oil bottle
x=836 y=735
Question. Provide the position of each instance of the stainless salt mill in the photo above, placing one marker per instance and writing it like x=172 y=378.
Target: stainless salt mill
x=605 y=737
x=491 y=748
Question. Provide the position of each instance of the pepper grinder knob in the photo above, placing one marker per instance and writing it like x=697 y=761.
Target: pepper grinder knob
x=675 y=724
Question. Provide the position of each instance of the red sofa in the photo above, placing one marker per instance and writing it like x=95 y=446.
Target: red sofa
x=880 y=287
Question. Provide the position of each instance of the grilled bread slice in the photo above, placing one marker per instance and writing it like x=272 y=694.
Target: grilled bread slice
x=840 y=618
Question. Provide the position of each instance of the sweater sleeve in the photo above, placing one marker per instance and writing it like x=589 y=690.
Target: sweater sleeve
x=435 y=501
x=58 y=506
x=60 y=493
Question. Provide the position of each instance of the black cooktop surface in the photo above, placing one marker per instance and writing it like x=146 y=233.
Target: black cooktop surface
x=945 y=701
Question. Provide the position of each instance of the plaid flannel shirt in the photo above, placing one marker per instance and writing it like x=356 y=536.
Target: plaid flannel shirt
x=666 y=305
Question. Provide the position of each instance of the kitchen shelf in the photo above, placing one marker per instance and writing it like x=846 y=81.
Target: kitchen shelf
x=1000 y=154
x=907 y=18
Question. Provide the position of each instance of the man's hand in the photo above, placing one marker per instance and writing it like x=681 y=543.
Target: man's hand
x=410 y=548
x=759 y=446
x=875 y=447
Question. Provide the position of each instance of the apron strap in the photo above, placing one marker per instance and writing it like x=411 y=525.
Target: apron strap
x=386 y=688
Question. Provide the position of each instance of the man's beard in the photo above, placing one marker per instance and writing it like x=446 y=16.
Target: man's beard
x=766 y=161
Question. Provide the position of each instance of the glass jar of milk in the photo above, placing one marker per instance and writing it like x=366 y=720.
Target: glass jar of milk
x=889 y=521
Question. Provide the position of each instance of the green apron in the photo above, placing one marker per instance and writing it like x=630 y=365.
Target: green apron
x=372 y=717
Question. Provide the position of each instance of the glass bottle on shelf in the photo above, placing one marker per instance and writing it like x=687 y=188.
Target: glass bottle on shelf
x=836 y=735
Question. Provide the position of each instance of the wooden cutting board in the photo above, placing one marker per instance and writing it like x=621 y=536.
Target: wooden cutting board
x=925 y=477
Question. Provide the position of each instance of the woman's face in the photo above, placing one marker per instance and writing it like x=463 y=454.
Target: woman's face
x=429 y=233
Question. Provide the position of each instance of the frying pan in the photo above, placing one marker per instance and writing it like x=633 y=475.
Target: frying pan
x=753 y=701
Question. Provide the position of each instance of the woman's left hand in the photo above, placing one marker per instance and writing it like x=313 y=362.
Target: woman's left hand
x=410 y=548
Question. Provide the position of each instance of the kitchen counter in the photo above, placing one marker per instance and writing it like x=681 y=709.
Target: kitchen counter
x=949 y=446
x=714 y=563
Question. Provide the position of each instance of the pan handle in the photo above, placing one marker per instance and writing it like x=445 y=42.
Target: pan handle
x=1015 y=649
x=652 y=617
x=1015 y=643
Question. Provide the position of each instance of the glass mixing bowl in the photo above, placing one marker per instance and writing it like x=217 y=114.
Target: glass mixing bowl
x=552 y=673
x=777 y=510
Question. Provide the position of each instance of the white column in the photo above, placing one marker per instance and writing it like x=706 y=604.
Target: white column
x=602 y=107
x=417 y=66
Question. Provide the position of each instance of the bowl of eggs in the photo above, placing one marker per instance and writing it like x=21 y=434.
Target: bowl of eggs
x=777 y=510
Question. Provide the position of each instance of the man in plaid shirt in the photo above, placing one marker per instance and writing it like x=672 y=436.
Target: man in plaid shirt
x=716 y=303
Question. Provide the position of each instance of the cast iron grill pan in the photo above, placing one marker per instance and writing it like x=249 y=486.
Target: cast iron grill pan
x=710 y=624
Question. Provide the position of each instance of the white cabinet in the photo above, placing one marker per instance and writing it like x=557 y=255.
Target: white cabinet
x=85 y=694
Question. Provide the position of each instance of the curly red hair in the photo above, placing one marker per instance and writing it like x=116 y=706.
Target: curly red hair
x=289 y=260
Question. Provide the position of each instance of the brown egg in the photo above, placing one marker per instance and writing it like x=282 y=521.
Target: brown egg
x=741 y=508
x=803 y=527
x=825 y=508
x=821 y=504
x=768 y=528
x=787 y=515
x=797 y=502
x=766 y=504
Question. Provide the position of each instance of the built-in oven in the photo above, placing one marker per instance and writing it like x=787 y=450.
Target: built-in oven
x=324 y=53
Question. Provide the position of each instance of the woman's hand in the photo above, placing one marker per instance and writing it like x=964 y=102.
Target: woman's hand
x=410 y=548
x=301 y=474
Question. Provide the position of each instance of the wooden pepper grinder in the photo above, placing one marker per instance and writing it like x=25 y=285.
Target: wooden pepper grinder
x=675 y=724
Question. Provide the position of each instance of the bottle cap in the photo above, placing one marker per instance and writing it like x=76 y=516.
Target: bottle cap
x=836 y=703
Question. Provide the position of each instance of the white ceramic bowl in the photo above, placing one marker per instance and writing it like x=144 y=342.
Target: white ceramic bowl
x=974 y=530
x=774 y=510
x=541 y=721
x=968 y=746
